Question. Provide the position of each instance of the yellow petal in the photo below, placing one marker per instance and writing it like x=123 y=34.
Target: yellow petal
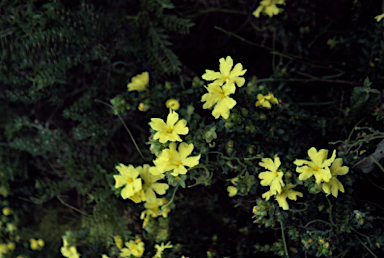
x=185 y=150
x=232 y=191
x=225 y=65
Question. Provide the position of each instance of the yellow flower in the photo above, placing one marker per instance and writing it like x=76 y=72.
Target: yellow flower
x=334 y=185
x=104 y=256
x=128 y=177
x=171 y=159
x=153 y=209
x=3 y=249
x=172 y=104
x=7 y=211
x=143 y=107
x=232 y=191
x=69 y=251
x=11 y=246
x=139 y=82
x=160 y=249
x=33 y=243
x=226 y=75
x=220 y=96
x=169 y=131
x=118 y=242
x=318 y=166
x=150 y=186
x=379 y=17
x=281 y=198
x=272 y=178
x=265 y=101
x=268 y=7
x=133 y=248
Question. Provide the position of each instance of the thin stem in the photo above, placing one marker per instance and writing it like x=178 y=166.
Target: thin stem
x=330 y=211
x=361 y=234
x=282 y=233
x=374 y=183
x=377 y=162
x=169 y=203
x=129 y=132
x=318 y=220
x=70 y=206
x=366 y=247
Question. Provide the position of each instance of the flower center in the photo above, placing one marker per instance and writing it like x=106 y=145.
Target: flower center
x=222 y=95
x=275 y=173
x=148 y=184
x=177 y=178
x=316 y=167
x=225 y=78
x=178 y=163
x=169 y=129
x=129 y=180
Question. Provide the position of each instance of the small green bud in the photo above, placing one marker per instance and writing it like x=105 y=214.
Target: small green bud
x=168 y=85
x=228 y=124
x=244 y=112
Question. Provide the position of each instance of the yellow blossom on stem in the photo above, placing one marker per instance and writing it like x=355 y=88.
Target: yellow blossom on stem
x=334 y=185
x=379 y=17
x=170 y=130
x=153 y=209
x=272 y=178
x=133 y=248
x=172 y=104
x=281 y=198
x=69 y=251
x=265 y=101
x=160 y=249
x=318 y=166
x=232 y=190
x=268 y=7
x=7 y=211
x=139 y=82
x=219 y=96
x=128 y=178
x=226 y=75
x=150 y=186
x=118 y=242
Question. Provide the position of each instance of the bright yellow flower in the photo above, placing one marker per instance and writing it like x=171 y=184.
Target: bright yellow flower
x=272 y=178
x=153 y=209
x=128 y=177
x=232 y=191
x=219 y=96
x=177 y=160
x=133 y=248
x=69 y=251
x=41 y=242
x=7 y=211
x=172 y=104
x=160 y=249
x=139 y=82
x=150 y=186
x=160 y=163
x=318 y=166
x=118 y=242
x=281 y=198
x=33 y=243
x=379 y=17
x=169 y=131
x=265 y=101
x=226 y=75
x=268 y=7
x=334 y=185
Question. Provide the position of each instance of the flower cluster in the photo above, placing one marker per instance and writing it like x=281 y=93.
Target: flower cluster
x=268 y=7
x=324 y=170
x=273 y=178
x=222 y=86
